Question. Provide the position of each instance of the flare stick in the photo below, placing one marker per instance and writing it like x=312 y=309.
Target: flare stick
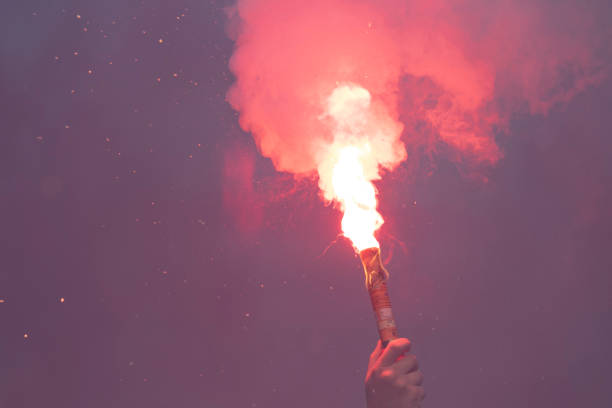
x=376 y=282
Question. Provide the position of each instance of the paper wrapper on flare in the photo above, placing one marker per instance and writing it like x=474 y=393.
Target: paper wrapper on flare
x=376 y=282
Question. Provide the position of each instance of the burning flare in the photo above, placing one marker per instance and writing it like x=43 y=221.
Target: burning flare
x=357 y=197
x=364 y=141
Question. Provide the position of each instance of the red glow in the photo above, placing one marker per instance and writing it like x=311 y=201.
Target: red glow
x=456 y=71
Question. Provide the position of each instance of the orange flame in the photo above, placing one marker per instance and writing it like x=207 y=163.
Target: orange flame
x=365 y=140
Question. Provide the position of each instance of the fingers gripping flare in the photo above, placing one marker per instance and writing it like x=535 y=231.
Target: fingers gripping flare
x=393 y=351
x=406 y=365
x=393 y=379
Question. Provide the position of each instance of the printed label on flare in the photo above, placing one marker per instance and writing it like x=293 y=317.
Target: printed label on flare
x=385 y=314
x=385 y=318
x=386 y=324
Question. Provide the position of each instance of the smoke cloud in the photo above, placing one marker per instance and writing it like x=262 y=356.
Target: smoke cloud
x=460 y=68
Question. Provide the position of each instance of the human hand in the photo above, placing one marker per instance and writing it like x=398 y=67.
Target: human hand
x=393 y=379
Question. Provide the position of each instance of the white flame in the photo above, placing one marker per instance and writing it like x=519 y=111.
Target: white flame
x=357 y=197
x=365 y=139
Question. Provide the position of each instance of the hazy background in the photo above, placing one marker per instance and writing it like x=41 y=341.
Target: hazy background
x=193 y=275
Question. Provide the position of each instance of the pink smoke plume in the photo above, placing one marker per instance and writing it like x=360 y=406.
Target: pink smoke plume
x=462 y=68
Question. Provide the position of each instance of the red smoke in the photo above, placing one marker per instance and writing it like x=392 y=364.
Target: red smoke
x=462 y=68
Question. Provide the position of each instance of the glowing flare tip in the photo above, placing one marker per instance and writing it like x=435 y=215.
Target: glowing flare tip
x=357 y=197
x=365 y=142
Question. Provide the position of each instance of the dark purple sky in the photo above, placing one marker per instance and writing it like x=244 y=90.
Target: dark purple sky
x=195 y=276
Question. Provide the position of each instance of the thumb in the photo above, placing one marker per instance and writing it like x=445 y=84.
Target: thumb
x=393 y=351
x=375 y=354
